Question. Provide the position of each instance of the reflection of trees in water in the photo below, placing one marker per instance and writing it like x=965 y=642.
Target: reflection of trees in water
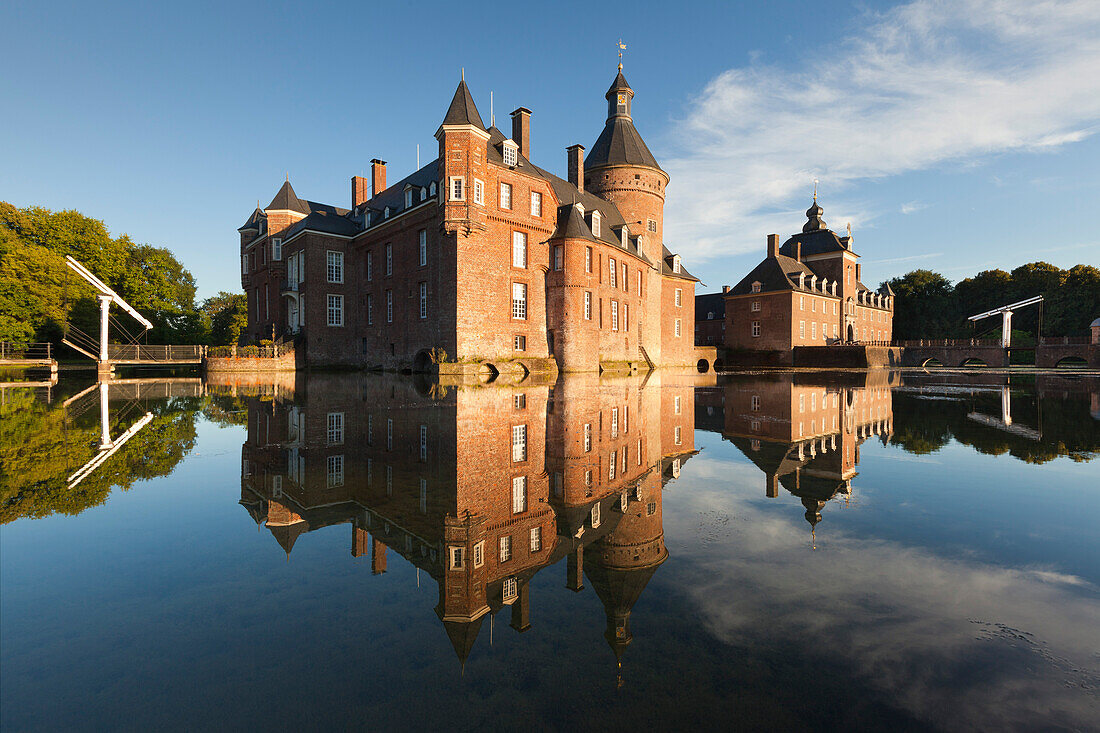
x=923 y=425
x=40 y=448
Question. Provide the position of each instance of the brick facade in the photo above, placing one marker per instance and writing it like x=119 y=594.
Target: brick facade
x=431 y=269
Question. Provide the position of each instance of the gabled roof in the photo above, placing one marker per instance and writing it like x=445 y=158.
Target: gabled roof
x=287 y=200
x=253 y=220
x=710 y=303
x=773 y=273
x=666 y=267
x=620 y=144
x=463 y=111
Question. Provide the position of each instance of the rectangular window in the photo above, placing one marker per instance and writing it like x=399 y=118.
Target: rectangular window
x=813 y=330
x=519 y=443
x=506 y=195
x=626 y=316
x=519 y=494
x=423 y=300
x=335 y=471
x=510 y=589
x=801 y=403
x=509 y=153
x=423 y=237
x=677 y=327
x=479 y=554
x=389 y=259
x=479 y=192
x=755 y=403
x=679 y=297
x=244 y=264
x=458 y=555
x=834 y=307
x=614 y=422
x=536 y=539
x=370 y=266
x=639 y=283
x=423 y=442
x=614 y=315
x=802 y=329
x=519 y=342
x=755 y=306
x=625 y=279
x=587 y=437
x=611 y=466
x=335 y=428
x=458 y=188
x=559 y=257
x=519 y=249
x=595 y=224
x=678 y=435
x=802 y=302
x=370 y=309
x=423 y=496
x=389 y=433
x=611 y=271
x=505 y=548
x=676 y=404
x=587 y=260
x=813 y=305
x=276 y=249
x=651 y=225
x=336 y=310
x=389 y=306
x=520 y=402
x=536 y=203
x=587 y=306
x=836 y=332
x=594 y=517
x=335 y=263
x=519 y=301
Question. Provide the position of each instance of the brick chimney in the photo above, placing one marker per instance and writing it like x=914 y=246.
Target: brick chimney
x=798 y=251
x=576 y=165
x=377 y=553
x=377 y=176
x=725 y=289
x=360 y=192
x=773 y=245
x=521 y=131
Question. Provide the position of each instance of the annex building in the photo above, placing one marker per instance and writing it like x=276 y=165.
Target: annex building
x=806 y=292
x=480 y=256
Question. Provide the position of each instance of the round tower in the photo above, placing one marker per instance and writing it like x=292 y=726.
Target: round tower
x=620 y=169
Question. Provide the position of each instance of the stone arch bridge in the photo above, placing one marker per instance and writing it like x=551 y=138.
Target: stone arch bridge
x=1050 y=353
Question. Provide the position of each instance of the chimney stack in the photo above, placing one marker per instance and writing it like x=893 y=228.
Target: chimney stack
x=576 y=166
x=521 y=131
x=798 y=251
x=359 y=191
x=378 y=176
x=725 y=289
x=377 y=553
x=773 y=245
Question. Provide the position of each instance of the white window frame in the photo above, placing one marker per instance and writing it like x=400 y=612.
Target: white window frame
x=587 y=437
x=519 y=443
x=519 y=301
x=756 y=329
x=334 y=267
x=335 y=428
x=611 y=271
x=519 y=494
x=335 y=471
x=756 y=287
x=335 y=310
x=678 y=297
x=596 y=224
x=519 y=249
x=587 y=305
x=505 y=199
x=422 y=241
x=479 y=192
x=536 y=204
x=389 y=306
x=614 y=315
x=370 y=309
x=510 y=153
x=479 y=554
x=755 y=308
x=588 y=259
x=370 y=266
x=536 y=539
x=276 y=249
x=559 y=256
x=678 y=328
x=389 y=258
x=505 y=545
x=408 y=198
x=456 y=185
x=423 y=300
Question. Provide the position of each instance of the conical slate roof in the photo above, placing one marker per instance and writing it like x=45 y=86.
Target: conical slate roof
x=620 y=144
x=463 y=634
x=287 y=200
x=618 y=85
x=463 y=111
x=253 y=220
x=572 y=224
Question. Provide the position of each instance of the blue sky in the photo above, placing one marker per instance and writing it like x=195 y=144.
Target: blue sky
x=955 y=136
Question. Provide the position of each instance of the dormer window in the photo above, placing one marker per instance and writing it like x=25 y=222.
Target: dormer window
x=801 y=279
x=595 y=223
x=263 y=226
x=386 y=213
x=423 y=193
x=510 y=151
x=813 y=282
x=408 y=198
x=756 y=287
x=625 y=236
x=676 y=264
x=431 y=188
x=710 y=315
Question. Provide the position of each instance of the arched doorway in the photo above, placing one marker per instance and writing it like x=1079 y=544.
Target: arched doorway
x=851 y=333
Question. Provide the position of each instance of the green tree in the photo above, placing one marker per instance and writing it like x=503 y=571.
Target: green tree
x=226 y=317
x=923 y=304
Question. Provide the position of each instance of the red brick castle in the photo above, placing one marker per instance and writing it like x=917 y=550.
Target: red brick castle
x=480 y=256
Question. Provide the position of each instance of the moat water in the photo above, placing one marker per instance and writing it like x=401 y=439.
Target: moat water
x=790 y=551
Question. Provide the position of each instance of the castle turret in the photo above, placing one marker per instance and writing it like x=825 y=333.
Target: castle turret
x=462 y=137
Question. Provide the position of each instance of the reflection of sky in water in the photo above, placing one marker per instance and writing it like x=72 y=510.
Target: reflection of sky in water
x=955 y=589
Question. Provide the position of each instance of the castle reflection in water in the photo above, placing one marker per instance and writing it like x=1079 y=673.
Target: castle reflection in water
x=483 y=487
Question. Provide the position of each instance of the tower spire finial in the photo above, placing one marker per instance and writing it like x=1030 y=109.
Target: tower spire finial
x=815 y=190
x=622 y=47
x=463 y=73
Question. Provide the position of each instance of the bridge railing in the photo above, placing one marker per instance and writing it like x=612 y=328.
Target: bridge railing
x=1063 y=340
x=273 y=351
x=146 y=352
x=941 y=343
x=33 y=351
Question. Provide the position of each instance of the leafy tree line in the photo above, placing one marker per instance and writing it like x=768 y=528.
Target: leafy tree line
x=39 y=294
x=927 y=305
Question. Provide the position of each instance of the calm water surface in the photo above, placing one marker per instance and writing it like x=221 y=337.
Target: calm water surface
x=793 y=551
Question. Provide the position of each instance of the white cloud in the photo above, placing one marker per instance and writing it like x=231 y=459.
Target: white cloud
x=912 y=207
x=923 y=83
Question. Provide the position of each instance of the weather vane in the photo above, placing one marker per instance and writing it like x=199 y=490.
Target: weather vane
x=815 y=190
x=622 y=47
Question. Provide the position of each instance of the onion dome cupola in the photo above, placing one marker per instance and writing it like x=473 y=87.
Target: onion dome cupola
x=620 y=143
x=814 y=222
